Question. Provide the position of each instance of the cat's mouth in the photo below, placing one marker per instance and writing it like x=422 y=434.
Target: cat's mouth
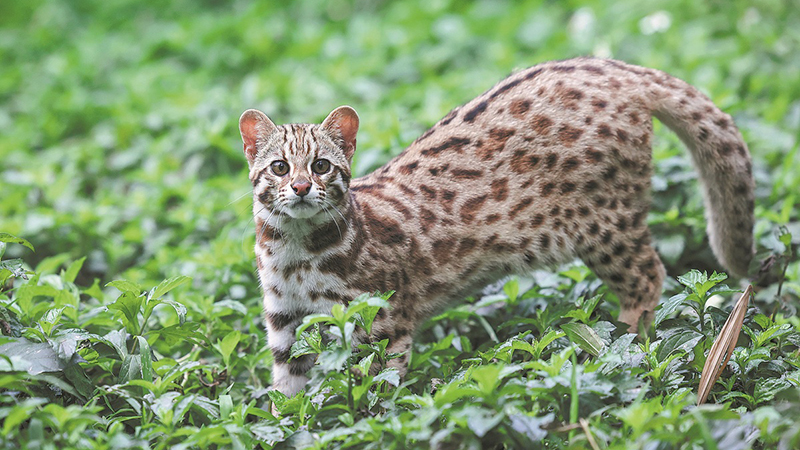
x=302 y=209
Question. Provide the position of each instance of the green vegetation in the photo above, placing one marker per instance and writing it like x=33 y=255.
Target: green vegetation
x=136 y=321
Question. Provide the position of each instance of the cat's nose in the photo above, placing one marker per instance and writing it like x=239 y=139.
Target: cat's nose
x=301 y=187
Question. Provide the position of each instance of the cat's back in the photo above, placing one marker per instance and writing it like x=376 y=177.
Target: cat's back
x=556 y=136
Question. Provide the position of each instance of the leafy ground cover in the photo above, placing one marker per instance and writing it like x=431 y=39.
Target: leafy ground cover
x=136 y=323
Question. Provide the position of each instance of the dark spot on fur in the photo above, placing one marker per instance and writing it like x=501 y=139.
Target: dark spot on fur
x=324 y=237
x=568 y=135
x=544 y=241
x=454 y=143
x=571 y=164
x=594 y=155
x=547 y=189
x=537 y=221
x=429 y=193
x=594 y=228
x=505 y=88
x=470 y=207
x=599 y=104
x=567 y=187
x=590 y=186
x=522 y=162
x=518 y=108
x=703 y=134
x=408 y=169
x=383 y=229
x=604 y=131
x=427 y=217
x=476 y=111
x=524 y=203
x=550 y=160
x=496 y=143
x=442 y=249
x=499 y=189
x=541 y=124
x=466 y=174
x=279 y=320
x=450 y=116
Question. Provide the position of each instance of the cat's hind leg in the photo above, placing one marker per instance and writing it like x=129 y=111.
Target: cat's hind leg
x=631 y=268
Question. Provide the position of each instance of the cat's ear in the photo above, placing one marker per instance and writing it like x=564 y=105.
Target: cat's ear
x=254 y=124
x=342 y=122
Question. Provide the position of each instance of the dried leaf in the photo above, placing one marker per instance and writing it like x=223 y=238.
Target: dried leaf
x=721 y=351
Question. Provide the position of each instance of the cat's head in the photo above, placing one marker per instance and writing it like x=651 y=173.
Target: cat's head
x=300 y=170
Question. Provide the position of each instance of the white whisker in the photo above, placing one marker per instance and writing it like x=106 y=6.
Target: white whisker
x=239 y=198
x=335 y=222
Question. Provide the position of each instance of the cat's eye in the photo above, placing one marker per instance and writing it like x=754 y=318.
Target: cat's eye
x=321 y=166
x=279 y=168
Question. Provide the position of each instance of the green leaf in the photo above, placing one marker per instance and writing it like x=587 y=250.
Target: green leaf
x=72 y=271
x=511 y=289
x=31 y=357
x=678 y=342
x=129 y=303
x=692 y=278
x=486 y=377
x=95 y=291
x=668 y=308
x=225 y=406
x=307 y=343
x=5 y=237
x=168 y=285
x=147 y=359
x=311 y=320
x=585 y=337
x=20 y=412
x=127 y=287
x=175 y=334
x=180 y=310
x=389 y=375
x=227 y=345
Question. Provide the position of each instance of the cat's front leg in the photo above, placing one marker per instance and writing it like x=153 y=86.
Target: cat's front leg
x=288 y=375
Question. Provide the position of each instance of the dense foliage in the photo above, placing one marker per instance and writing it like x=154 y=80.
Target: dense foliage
x=136 y=322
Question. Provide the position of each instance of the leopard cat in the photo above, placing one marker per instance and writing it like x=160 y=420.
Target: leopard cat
x=551 y=164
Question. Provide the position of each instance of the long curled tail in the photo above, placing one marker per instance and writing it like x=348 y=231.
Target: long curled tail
x=721 y=158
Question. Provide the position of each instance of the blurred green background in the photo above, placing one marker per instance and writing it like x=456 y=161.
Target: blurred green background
x=119 y=119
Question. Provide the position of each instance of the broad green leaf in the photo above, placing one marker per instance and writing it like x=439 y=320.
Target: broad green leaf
x=168 y=285
x=127 y=287
x=10 y=238
x=180 y=310
x=225 y=406
x=585 y=337
x=31 y=357
x=147 y=358
x=20 y=412
x=511 y=289
x=131 y=368
x=311 y=320
x=667 y=308
x=390 y=375
x=130 y=305
x=486 y=377
x=72 y=271
x=227 y=345
x=678 y=342
x=175 y=334
x=95 y=291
